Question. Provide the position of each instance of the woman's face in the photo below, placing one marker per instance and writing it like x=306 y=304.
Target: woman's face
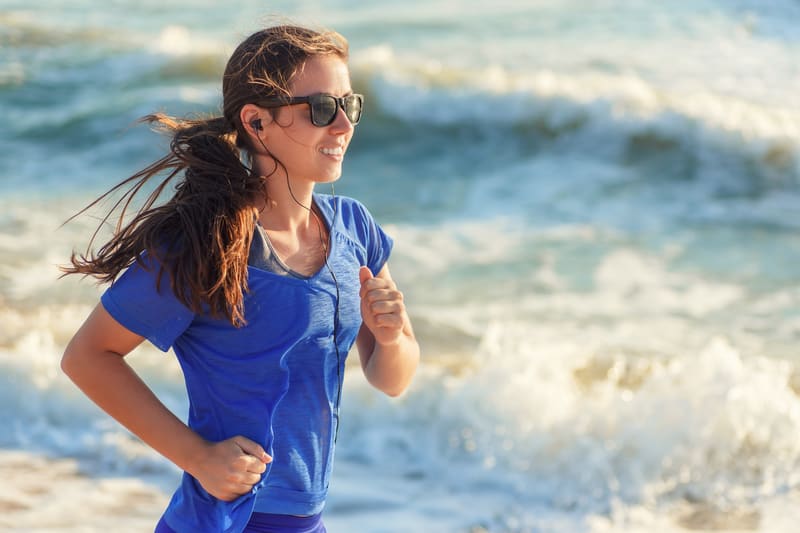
x=312 y=153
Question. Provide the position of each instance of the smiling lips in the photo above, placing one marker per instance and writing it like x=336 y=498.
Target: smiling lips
x=333 y=151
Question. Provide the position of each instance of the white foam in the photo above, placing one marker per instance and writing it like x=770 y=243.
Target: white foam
x=174 y=39
x=547 y=422
x=759 y=120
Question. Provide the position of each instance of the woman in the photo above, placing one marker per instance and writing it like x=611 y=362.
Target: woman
x=260 y=285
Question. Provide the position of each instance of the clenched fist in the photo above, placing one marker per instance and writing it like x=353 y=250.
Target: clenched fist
x=231 y=467
x=382 y=307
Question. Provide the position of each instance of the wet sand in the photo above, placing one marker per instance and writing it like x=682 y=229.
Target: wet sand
x=38 y=494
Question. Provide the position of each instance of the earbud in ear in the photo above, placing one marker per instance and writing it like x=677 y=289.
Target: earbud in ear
x=256 y=124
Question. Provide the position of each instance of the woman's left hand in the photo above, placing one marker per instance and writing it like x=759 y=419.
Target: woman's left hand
x=386 y=344
x=382 y=307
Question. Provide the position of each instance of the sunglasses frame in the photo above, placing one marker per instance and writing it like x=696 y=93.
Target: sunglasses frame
x=311 y=100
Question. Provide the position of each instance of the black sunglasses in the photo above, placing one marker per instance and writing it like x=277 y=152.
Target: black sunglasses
x=323 y=106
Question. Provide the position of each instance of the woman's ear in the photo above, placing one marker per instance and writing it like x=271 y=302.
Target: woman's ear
x=250 y=115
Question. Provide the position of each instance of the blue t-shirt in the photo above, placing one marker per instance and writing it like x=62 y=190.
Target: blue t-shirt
x=275 y=380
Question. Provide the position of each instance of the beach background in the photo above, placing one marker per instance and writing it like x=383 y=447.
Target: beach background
x=596 y=206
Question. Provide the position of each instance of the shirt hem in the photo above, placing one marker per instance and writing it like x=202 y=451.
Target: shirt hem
x=276 y=500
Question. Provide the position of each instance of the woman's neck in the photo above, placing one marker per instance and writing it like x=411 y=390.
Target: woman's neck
x=288 y=205
x=295 y=229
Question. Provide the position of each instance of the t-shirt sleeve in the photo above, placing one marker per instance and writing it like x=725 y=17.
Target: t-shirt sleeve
x=378 y=243
x=146 y=307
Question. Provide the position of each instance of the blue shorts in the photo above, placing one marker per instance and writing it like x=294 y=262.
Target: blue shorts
x=270 y=523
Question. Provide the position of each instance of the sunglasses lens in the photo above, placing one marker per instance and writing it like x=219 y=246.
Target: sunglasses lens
x=352 y=108
x=324 y=108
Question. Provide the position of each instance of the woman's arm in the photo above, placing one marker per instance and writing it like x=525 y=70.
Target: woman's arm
x=386 y=344
x=94 y=360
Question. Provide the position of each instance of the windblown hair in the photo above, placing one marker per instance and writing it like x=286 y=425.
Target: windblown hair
x=201 y=236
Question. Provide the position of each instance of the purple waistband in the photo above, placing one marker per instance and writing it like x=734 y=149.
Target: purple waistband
x=270 y=523
x=278 y=523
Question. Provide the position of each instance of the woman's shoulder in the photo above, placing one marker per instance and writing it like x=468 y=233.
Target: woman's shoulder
x=338 y=201
x=344 y=209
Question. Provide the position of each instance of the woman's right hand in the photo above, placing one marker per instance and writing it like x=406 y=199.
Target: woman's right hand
x=94 y=360
x=229 y=468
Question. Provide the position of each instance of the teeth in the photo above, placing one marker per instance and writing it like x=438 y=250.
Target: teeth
x=332 y=151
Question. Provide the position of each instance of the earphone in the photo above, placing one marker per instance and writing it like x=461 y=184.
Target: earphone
x=256 y=124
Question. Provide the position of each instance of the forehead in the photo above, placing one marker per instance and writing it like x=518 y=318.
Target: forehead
x=322 y=74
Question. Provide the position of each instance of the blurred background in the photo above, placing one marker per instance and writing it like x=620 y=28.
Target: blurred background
x=596 y=207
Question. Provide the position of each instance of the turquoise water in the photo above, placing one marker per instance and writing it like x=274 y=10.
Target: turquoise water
x=596 y=210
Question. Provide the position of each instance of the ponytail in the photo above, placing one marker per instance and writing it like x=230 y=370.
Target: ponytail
x=201 y=236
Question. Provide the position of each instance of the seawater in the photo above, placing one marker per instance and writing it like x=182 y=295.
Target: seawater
x=596 y=214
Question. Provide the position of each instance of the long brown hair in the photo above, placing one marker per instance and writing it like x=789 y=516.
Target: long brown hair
x=201 y=236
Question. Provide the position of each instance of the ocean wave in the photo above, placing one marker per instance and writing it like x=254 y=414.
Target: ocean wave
x=622 y=117
x=558 y=426
x=19 y=29
x=47 y=52
x=748 y=144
